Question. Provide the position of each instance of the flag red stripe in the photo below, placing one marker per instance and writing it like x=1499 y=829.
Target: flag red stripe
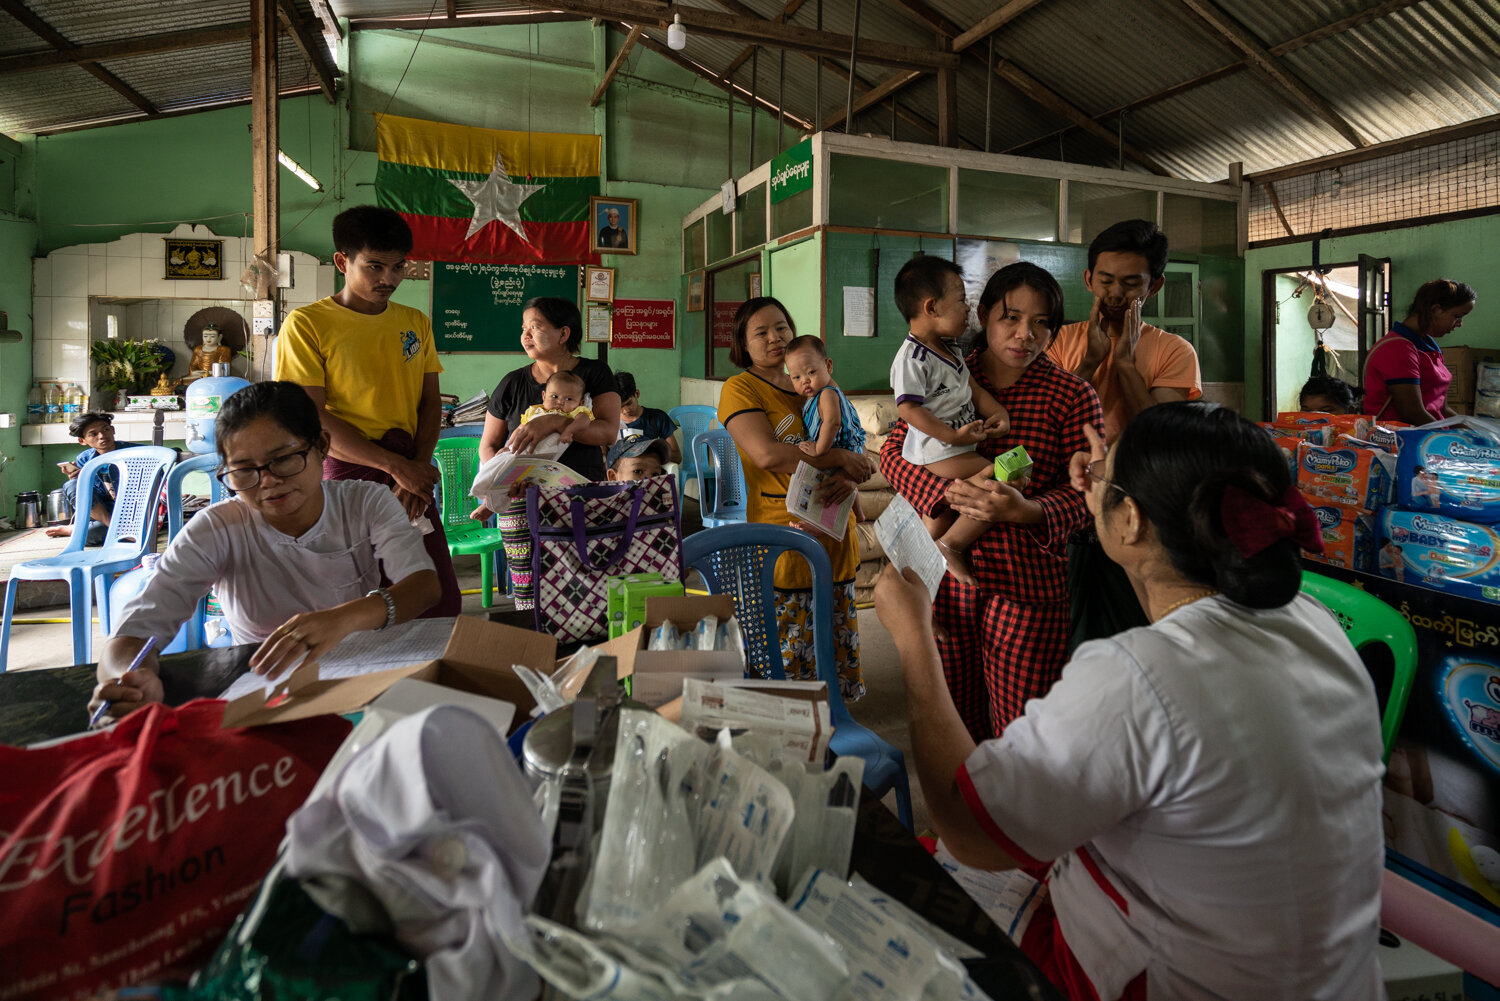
x=436 y=238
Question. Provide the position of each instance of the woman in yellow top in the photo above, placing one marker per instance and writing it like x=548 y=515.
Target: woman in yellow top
x=763 y=414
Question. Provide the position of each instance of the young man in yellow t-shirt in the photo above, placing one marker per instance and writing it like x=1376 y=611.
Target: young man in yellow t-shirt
x=371 y=367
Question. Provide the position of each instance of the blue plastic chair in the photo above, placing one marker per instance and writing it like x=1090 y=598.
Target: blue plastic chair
x=132 y=534
x=718 y=460
x=192 y=631
x=461 y=431
x=694 y=419
x=740 y=560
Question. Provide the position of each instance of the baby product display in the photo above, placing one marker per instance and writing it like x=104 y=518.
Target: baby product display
x=1451 y=468
x=1441 y=553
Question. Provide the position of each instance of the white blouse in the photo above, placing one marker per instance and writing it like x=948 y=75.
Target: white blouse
x=263 y=577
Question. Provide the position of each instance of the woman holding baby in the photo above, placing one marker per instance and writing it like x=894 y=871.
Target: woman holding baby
x=1003 y=639
x=551 y=336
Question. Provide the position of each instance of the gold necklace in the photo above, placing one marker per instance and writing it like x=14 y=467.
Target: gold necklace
x=1209 y=593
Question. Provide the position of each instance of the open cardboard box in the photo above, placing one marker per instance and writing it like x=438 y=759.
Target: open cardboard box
x=477 y=659
x=659 y=674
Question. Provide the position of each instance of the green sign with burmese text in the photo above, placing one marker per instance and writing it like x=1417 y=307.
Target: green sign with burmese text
x=791 y=172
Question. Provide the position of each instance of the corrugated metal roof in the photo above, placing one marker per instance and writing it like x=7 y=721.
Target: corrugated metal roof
x=1418 y=67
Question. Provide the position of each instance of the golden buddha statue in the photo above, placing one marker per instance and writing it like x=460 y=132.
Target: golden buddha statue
x=212 y=351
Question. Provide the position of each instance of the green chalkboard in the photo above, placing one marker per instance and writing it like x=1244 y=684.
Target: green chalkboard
x=478 y=307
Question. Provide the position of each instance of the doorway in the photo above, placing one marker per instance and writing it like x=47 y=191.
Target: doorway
x=1357 y=292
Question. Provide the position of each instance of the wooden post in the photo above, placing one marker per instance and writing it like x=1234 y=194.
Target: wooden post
x=265 y=180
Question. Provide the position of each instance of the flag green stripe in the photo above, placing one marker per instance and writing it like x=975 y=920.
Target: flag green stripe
x=427 y=191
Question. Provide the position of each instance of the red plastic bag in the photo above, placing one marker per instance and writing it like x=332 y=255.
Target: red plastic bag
x=128 y=854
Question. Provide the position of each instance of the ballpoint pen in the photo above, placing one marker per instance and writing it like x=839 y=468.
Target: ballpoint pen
x=140 y=658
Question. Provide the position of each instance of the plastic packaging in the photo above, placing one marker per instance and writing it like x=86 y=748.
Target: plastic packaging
x=705 y=633
x=583 y=968
x=822 y=832
x=665 y=637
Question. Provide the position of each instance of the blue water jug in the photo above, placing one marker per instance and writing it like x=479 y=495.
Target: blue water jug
x=204 y=398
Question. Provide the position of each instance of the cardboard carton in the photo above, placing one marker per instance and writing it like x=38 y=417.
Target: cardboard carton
x=658 y=674
x=795 y=713
x=1463 y=363
x=1013 y=466
x=477 y=659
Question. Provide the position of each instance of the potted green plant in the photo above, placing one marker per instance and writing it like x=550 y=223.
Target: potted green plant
x=125 y=366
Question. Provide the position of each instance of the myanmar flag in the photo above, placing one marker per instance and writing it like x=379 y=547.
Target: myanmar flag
x=485 y=195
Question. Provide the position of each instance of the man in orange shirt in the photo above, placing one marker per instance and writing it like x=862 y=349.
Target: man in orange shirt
x=1130 y=364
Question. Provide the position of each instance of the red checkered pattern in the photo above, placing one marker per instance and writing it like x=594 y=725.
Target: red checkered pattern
x=1048 y=410
x=1008 y=638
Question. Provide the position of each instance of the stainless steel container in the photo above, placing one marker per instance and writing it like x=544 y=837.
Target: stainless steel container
x=57 y=507
x=28 y=509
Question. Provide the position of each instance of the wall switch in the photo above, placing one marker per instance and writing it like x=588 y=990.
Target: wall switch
x=7 y=420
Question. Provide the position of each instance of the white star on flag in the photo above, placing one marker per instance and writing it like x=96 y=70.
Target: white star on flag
x=497 y=199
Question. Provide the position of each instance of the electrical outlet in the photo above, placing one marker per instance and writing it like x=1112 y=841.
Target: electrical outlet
x=7 y=420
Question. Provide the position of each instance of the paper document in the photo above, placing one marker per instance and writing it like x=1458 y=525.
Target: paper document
x=803 y=502
x=859 y=311
x=907 y=543
x=365 y=652
x=493 y=481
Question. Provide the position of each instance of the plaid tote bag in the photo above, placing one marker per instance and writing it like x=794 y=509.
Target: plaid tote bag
x=581 y=536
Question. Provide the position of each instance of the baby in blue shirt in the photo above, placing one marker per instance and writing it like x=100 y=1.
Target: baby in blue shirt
x=830 y=418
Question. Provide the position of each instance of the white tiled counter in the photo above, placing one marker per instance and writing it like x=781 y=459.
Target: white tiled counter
x=133 y=426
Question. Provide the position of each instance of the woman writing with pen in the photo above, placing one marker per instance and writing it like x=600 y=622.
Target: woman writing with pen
x=296 y=563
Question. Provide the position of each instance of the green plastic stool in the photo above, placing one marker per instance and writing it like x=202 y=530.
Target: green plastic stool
x=1366 y=619
x=457 y=460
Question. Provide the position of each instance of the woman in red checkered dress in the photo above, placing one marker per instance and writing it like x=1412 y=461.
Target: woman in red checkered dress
x=1007 y=636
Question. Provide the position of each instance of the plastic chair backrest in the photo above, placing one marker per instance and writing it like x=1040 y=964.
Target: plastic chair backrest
x=457 y=460
x=694 y=419
x=715 y=454
x=461 y=431
x=139 y=471
x=1366 y=619
x=740 y=560
x=205 y=464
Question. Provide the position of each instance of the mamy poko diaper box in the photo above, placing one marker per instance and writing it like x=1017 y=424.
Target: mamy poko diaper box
x=1348 y=535
x=1354 y=477
x=1416 y=547
x=1452 y=470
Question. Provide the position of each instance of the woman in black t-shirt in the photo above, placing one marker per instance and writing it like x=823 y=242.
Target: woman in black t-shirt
x=551 y=334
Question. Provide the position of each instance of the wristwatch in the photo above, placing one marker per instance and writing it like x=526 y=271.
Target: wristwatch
x=390 y=606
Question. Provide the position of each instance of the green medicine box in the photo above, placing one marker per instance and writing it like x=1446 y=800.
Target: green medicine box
x=626 y=601
x=1013 y=466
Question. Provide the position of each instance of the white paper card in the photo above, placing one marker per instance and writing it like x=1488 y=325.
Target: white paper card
x=907 y=543
x=859 y=311
x=802 y=502
x=365 y=652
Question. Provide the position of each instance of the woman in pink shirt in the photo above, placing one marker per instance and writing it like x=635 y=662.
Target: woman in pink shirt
x=1405 y=377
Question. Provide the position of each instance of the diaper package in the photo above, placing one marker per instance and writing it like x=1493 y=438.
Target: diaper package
x=1348 y=535
x=1451 y=469
x=1356 y=425
x=1353 y=477
x=1446 y=554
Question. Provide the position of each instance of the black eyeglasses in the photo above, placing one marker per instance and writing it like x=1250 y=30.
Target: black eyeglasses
x=245 y=477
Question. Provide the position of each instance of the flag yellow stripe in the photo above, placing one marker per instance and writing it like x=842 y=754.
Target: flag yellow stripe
x=420 y=143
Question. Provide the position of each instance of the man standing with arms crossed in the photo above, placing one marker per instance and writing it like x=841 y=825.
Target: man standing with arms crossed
x=371 y=367
x=1132 y=366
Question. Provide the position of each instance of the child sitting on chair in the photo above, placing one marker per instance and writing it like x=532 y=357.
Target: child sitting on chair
x=937 y=397
x=829 y=417
x=563 y=394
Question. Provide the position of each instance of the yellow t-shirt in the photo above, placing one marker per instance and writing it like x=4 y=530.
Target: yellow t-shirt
x=532 y=413
x=766 y=500
x=370 y=367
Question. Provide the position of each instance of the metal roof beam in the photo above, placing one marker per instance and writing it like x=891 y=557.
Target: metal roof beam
x=744 y=57
x=759 y=31
x=1056 y=103
x=421 y=22
x=1448 y=133
x=615 y=64
x=718 y=81
x=58 y=41
x=314 y=53
x=992 y=23
x=1263 y=62
x=148 y=45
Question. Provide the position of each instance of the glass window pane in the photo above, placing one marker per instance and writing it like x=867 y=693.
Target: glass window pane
x=887 y=194
x=720 y=235
x=1008 y=205
x=792 y=214
x=693 y=257
x=1201 y=225
x=1093 y=208
x=750 y=213
x=727 y=289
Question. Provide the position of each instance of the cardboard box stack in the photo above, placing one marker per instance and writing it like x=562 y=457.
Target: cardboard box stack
x=1463 y=362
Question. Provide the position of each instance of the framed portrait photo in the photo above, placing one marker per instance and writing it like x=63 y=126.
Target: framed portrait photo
x=601 y=284
x=695 y=292
x=615 y=223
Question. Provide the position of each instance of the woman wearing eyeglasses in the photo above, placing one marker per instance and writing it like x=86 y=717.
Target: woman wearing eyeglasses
x=296 y=563
x=1199 y=797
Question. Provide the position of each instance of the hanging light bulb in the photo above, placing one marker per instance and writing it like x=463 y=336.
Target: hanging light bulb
x=676 y=33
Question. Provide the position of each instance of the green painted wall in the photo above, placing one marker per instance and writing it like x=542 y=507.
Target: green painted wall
x=1454 y=250
x=17 y=237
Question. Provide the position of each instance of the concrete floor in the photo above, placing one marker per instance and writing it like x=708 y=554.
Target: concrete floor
x=38 y=644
